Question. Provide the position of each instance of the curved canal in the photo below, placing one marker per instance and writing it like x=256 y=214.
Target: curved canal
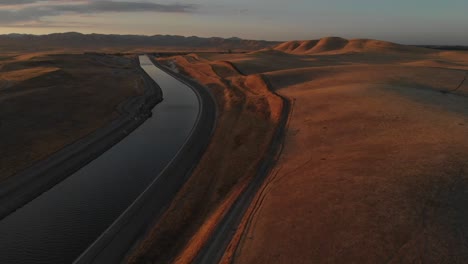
x=59 y=225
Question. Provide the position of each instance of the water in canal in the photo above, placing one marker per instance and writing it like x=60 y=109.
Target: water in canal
x=59 y=225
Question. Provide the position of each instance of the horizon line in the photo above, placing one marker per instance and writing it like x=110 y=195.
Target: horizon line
x=233 y=37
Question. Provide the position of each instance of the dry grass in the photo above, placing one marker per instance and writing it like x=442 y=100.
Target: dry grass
x=248 y=116
x=336 y=45
x=374 y=164
x=373 y=168
x=49 y=101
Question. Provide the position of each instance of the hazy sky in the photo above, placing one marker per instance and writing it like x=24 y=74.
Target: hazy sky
x=404 y=21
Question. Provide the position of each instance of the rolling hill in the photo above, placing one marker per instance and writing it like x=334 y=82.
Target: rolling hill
x=341 y=45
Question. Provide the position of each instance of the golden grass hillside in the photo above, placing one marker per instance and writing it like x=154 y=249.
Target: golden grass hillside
x=49 y=101
x=374 y=165
x=341 y=45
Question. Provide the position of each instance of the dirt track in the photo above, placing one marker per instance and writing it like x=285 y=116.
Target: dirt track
x=374 y=164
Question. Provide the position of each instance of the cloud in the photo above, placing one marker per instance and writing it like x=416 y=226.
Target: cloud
x=35 y=10
x=27 y=2
x=17 y=2
x=112 y=6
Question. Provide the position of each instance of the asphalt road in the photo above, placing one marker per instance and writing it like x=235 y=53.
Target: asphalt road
x=111 y=201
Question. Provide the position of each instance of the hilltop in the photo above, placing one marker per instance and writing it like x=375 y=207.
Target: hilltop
x=340 y=45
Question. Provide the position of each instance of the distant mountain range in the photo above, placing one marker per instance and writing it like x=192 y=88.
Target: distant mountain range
x=444 y=47
x=73 y=40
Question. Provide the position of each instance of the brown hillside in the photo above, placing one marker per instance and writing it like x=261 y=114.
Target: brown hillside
x=289 y=46
x=336 y=45
x=329 y=44
x=306 y=46
x=50 y=101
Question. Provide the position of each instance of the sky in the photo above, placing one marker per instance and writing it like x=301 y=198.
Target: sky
x=402 y=21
